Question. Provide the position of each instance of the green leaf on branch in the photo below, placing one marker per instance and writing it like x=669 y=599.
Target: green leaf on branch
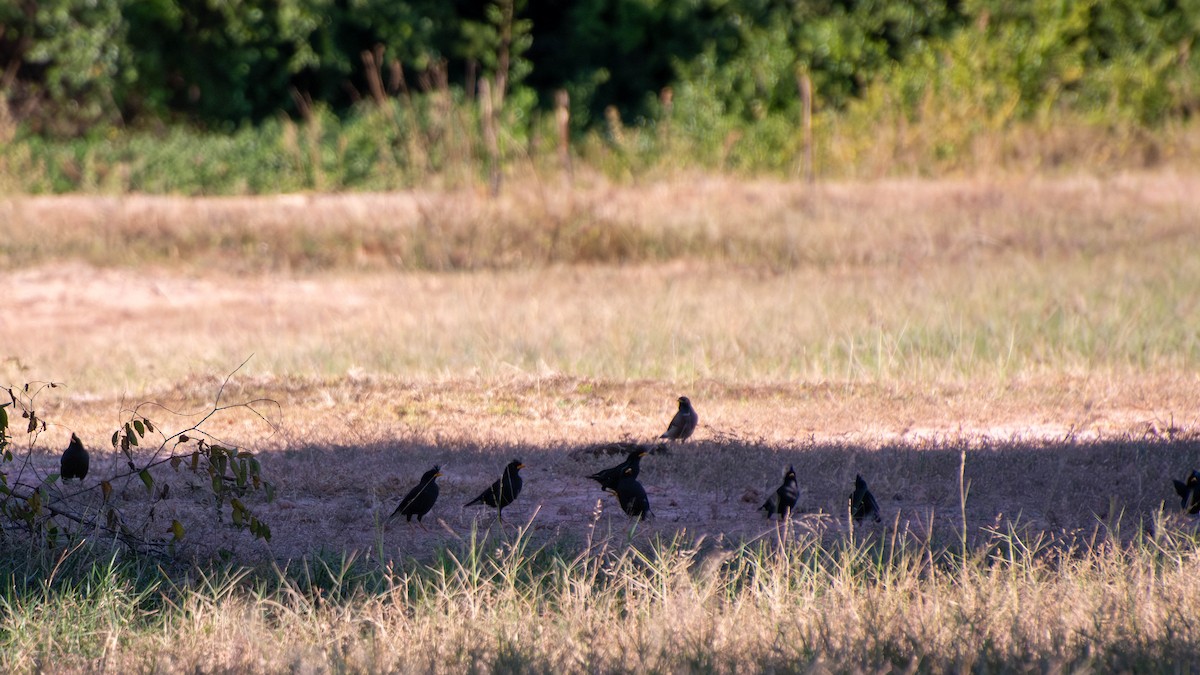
x=260 y=529
x=144 y=474
x=238 y=511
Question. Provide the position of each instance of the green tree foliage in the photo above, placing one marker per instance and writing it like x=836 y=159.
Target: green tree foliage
x=1107 y=62
x=71 y=66
x=617 y=52
x=65 y=63
x=229 y=62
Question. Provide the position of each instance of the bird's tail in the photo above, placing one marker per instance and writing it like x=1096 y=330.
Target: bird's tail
x=387 y=521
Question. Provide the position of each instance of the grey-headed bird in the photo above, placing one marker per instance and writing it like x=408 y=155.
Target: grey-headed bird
x=683 y=423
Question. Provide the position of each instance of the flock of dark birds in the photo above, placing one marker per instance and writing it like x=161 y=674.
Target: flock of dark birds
x=620 y=480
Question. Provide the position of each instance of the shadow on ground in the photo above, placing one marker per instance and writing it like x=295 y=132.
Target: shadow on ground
x=334 y=499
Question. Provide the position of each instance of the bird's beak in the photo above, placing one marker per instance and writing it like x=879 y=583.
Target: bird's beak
x=520 y=466
x=642 y=453
x=437 y=474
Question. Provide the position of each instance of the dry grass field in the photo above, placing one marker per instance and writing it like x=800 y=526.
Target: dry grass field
x=1013 y=364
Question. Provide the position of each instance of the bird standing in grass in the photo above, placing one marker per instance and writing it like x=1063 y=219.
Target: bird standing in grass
x=501 y=493
x=420 y=499
x=684 y=422
x=862 y=502
x=784 y=499
x=1189 y=493
x=609 y=478
x=632 y=496
x=74 y=463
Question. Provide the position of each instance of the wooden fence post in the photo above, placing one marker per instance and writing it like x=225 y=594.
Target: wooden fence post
x=562 y=112
x=804 y=83
x=490 y=140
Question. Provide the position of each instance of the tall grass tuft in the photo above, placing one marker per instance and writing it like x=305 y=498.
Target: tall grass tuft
x=84 y=602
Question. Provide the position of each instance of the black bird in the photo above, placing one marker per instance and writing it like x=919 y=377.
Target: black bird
x=75 y=461
x=609 y=478
x=501 y=493
x=862 y=502
x=784 y=499
x=420 y=499
x=683 y=423
x=1189 y=493
x=632 y=496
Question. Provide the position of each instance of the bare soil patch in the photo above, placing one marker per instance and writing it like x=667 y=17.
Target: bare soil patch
x=344 y=452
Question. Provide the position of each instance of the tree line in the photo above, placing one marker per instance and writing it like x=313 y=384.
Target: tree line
x=68 y=67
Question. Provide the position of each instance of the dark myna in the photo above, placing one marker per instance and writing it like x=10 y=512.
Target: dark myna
x=632 y=496
x=609 y=478
x=1189 y=493
x=421 y=498
x=75 y=461
x=862 y=502
x=501 y=493
x=784 y=499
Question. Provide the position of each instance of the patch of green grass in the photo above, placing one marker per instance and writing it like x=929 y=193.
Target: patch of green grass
x=84 y=602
